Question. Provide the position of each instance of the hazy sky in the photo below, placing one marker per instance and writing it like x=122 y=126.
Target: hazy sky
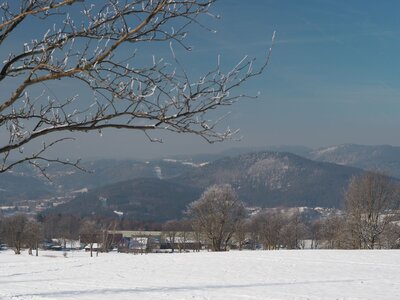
x=334 y=77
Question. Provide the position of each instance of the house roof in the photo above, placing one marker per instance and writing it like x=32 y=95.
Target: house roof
x=137 y=233
x=95 y=246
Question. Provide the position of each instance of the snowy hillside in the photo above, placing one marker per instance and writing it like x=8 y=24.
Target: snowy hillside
x=271 y=179
x=382 y=158
x=309 y=274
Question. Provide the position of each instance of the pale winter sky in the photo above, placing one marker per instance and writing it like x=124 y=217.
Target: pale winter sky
x=334 y=77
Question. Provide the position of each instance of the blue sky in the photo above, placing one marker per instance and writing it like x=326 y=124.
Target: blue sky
x=333 y=77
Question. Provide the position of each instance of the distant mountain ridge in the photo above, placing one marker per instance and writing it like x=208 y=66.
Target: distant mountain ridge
x=276 y=178
x=262 y=178
x=266 y=179
x=383 y=158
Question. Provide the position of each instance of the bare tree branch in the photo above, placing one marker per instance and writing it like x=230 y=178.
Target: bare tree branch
x=97 y=45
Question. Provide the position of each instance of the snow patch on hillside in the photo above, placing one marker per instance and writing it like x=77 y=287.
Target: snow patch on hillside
x=324 y=151
x=186 y=163
x=157 y=169
x=80 y=191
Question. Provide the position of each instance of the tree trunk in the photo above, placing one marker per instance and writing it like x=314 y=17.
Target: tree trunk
x=18 y=248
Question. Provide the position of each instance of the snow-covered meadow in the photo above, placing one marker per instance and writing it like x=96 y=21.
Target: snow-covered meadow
x=307 y=274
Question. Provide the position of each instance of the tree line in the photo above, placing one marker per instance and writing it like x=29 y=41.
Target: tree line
x=218 y=219
x=369 y=219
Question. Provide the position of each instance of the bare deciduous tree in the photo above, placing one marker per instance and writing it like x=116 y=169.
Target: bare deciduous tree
x=332 y=231
x=14 y=232
x=33 y=234
x=170 y=229
x=270 y=225
x=61 y=226
x=276 y=229
x=217 y=214
x=1 y=228
x=316 y=233
x=198 y=238
x=293 y=232
x=103 y=46
x=89 y=234
x=68 y=229
x=108 y=235
x=391 y=236
x=184 y=233
x=369 y=203
x=254 y=232
x=241 y=233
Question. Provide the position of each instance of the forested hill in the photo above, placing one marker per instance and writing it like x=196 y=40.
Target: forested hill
x=265 y=179
x=276 y=179
x=162 y=188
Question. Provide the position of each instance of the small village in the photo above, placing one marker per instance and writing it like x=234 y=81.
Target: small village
x=135 y=242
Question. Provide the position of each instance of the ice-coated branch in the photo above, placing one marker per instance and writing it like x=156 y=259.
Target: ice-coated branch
x=100 y=44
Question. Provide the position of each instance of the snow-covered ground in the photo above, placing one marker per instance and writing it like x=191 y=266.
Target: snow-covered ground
x=308 y=274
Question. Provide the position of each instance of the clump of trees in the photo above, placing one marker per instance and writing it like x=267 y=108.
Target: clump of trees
x=24 y=231
x=370 y=204
x=177 y=234
x=275 y=229
x=19 y=231
x=370 y=218
x=62 y=226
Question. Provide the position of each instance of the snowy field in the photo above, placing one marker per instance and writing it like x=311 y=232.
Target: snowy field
x=312 y=274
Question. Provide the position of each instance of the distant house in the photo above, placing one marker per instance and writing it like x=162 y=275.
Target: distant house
x=95 y=247
x=138 y=233
x=61 y=244
x=137 y=245
x=156 y=241
x=110 y=240
x=181 y=244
